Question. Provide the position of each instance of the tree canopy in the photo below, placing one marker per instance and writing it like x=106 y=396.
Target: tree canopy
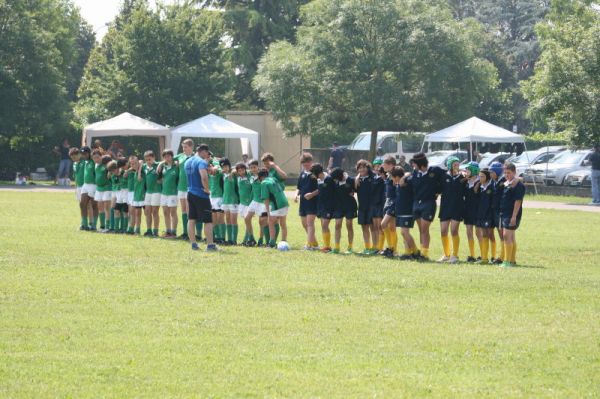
x=564 y=92
x=374 y=65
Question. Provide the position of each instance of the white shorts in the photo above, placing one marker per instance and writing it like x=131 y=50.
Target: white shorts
x=182 y=195
x=280 y=212
x=243 y=210
x=114 y=195
x=152 y=199
x=122 y=196
x=103 y=195
x=233 y=208
x=138 y=204
x=216 y=203
x=130 y=198
x=89 y=189
x=169 y=201
x=258 y=208
x=78 y=193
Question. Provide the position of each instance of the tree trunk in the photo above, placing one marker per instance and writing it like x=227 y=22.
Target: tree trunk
x=373 y=147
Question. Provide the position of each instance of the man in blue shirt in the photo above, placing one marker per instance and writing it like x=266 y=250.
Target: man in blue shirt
x=199 y=206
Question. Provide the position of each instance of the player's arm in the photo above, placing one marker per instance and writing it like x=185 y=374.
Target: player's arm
x=517 y=207
x=309 y=196
x=139 y=172
x=280 y=172
x=204 y=179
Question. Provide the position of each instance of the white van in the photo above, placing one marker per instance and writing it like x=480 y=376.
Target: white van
x=390 y=143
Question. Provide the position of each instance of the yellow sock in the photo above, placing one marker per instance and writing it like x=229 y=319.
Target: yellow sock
x=493 y=247
x=336 y=246
x=315 y=244
x=508 y=249
x=394 y=237
x=472 y=248
x=386 y=237
x=327 y=240
x=446 y=245
x=455 y=245
x=502 y=254
x=381 y=241
x=368 y=245
x=425 y=252
x=350 y=246
x=484 y=245
x=513 y=257
x=408 y=251
x=414 y=250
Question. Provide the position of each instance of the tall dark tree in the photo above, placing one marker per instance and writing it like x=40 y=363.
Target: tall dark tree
x=42 y=49
x=168 y=65
x=252 y=26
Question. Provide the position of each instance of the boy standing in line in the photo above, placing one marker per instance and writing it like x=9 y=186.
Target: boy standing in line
x=307 y=183
x=276 y=205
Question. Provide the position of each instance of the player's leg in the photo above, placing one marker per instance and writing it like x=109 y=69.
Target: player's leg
x=444 y=230
x=454 y=225
x=339 y=222
x=424 y=226
x=148 y=214
x=326 y=234
x=471 y=241
x=311 y=231
x=283 y=224
x=350 y=230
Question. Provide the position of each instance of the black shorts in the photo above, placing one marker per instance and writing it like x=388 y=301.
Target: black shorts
x=364 y=217
x=450 y=213
x=325 y=214
x=470 y=218
x=506 y=223
x=389 y=209
x=351 y=214
x=376 y=212
x=124 y=208
x=199 y=209
x=424 y=210
x=485 y=223
x=307 y=207
x=497 y=222
x=406 y=222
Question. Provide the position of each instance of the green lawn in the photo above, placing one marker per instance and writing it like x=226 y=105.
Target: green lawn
x=91 y=315
x=565 y=199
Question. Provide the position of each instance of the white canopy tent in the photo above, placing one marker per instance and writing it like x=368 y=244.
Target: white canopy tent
x=213 y=126
x=474 y=130
x=127 y=124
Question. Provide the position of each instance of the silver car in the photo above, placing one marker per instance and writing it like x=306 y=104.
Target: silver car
x=555 y=171
x=528 y=159
x=579 y=178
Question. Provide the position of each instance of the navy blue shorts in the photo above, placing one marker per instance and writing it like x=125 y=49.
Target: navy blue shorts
x=506 y=223
x=307 y=207
x=325 y=214
x=376 y=212
x=450 y=213
x=470 y=219
x=389 y=209
x=351 y=214
x=407 y=222
x=485 y=223
x=497 y=222
x=364 y=217
x=424 y=210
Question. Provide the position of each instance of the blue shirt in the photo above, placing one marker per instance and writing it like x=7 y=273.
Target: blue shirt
x=193 y=166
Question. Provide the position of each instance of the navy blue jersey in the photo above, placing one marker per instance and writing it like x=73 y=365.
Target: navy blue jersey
x=403 y=201
x=510 y=195
x=453 y=193
x=471 y=204
x=426 y=185
x=364 y=191
x=344 y=196
x=377 y=191
x=486 y=198
x=326 y=194
x=390 y=190
x=498 y=190
x=307 y=183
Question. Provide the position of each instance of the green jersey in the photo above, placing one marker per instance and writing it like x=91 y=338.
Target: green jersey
x=182 y=184
x=89 y=172
x=230 y=195
x=215 y=183
x=151 y=178
x=139 y=188
x=170 y=175
x=78 y=172
x=131 y=178
x=271 y=190
x=256 y=189
x=102 y=181
x=275 y=176
x=115 y=181
x=244 y=185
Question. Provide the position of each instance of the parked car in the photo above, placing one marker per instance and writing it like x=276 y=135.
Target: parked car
x=579 y=178
x=535 y=157
x=439 y=158
x=389 y=143
x=490 y=157
x=555 y=171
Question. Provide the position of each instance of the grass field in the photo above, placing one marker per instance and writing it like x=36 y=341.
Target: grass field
x=89 y=315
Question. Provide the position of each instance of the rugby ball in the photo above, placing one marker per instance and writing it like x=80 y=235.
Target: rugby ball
x=283 y=246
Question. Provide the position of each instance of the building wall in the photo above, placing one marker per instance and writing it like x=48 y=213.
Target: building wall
x=286 y=150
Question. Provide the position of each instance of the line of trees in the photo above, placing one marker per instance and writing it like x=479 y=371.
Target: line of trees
x=328 y=68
